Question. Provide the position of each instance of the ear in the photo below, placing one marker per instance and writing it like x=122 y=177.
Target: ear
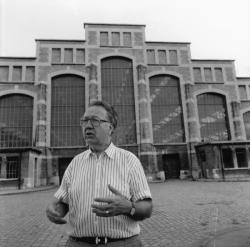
x=111 y=127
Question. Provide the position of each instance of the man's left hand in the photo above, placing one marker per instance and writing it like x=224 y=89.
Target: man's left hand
x=116 y=205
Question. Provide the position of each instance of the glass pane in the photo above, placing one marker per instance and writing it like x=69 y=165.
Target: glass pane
x=166 y=109
x=213 y=117
x=16 y=121
x=12 y=167
x=67 y=106
x=151 y=56
x=104 y=39
x=17 y=73
x=162 y=57
x=4 y=73
x=115 y=39
x=68 y=56
x=227 y=156
x=246 y=118
x=197 y=75
x=208 y=74
x=241 y=157
x=118 y=90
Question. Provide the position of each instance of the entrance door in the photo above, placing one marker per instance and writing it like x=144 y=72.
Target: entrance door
x=171 y=165
x=63 y=164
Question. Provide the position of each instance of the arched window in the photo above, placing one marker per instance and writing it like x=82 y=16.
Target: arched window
x=213 y=117
x=246 y=117
x=67 y=107
x=118 y=90
x=166 y=109
x=16 y=120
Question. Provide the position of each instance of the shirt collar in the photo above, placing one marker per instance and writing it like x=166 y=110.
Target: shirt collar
x=110 y=151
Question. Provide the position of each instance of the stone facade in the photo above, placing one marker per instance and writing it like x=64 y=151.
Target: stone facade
x=33 y=76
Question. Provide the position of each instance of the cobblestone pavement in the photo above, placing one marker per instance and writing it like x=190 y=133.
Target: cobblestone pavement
x=184 y=212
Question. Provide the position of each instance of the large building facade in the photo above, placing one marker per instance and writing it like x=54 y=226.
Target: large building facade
x=182 y=117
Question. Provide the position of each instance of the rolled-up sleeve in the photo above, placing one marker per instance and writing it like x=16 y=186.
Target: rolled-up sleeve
x=139 y=188
x=63 y=192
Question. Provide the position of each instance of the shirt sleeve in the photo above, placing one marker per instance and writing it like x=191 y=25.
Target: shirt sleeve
x=63 y=192
x=139 y=188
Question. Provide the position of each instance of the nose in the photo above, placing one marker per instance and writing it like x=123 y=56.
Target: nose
x=89 y=124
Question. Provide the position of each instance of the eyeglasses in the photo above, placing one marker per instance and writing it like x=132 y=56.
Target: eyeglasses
x=94 y=121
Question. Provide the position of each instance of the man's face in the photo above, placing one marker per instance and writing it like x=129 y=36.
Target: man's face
x=97 y=135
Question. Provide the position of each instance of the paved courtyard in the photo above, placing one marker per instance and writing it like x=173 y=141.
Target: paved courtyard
x=184 y=212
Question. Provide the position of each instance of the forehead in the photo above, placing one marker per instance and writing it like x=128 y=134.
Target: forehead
x=96 y=111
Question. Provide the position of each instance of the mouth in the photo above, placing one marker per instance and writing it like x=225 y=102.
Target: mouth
x=89 y=134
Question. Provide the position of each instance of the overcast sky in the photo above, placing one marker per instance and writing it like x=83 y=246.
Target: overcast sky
x=217 y=29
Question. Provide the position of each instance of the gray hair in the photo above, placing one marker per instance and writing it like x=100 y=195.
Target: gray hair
x=112 y=114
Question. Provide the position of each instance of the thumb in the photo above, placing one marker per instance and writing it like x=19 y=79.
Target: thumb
x=114 y=190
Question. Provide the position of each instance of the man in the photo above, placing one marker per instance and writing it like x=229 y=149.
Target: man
x=104 y=189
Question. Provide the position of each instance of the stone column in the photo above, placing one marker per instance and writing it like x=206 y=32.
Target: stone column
x=193 y=130
x=93 y=84
x=147 y=151
x=41 y=114
x=237 y=123
x=3 y=166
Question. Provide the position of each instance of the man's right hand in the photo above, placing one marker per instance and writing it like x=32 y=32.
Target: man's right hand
x=56 y=211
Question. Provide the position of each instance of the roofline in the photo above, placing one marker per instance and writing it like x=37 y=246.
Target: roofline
x=200 y=60
x=115 y=24
x=171 y=42
x=61 y=40
x=28 y=58
x=243 y=77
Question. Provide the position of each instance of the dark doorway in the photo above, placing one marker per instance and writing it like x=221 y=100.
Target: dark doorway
x=171 y=165
x=63 y=164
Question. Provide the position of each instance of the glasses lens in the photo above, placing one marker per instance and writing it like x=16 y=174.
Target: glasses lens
x=94 y=122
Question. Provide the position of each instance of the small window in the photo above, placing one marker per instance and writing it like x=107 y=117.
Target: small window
x=68 y=56
x=127 y=41
x=17 y=73
x=80 y=56
x=243 y=92
x=208 y=74
x=30 y=73
x=4 y=73
x=241 y=157
x=115 y=39
x=151 y=56
x=227 y=157
x=12 y=167
x=162 y=56
x=197 y=74
x=104 y=39
x=56 y=55
x=218 y=74
x=173 y=57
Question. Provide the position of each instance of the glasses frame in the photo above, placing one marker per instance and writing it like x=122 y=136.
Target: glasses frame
x=84 y=122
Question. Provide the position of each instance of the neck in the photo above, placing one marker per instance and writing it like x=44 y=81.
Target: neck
x=99 y=149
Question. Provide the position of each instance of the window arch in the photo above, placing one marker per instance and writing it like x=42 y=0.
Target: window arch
x=16 y=120
x=67 y=106
x=166 y=109
x=213 y=117
x=246 y=118
x=118 y=90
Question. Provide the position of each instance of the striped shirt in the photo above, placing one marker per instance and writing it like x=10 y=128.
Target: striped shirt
x=87 y=177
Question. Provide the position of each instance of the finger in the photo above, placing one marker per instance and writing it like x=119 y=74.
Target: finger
x=101 y=207
x=101 y=213
x=57 y=220
x=102 y=199
x=114 y=190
